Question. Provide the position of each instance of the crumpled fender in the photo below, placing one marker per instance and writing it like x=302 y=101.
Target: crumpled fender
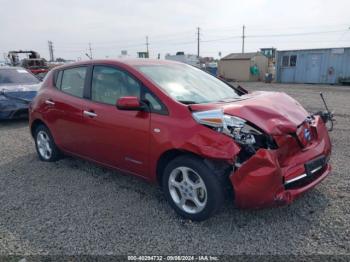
x=212 y=145
x=257 y=180
x=276 y=113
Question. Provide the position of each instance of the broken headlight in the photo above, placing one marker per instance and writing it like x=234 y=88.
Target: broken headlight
x=233 y=126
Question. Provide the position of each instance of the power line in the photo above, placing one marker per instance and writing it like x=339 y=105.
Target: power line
x=113 y=42
x=297 y=34
x=164 y=44
x=273 y=35
x=216 y=29
x=221 y=39
x=260 y=27
x=171 y=42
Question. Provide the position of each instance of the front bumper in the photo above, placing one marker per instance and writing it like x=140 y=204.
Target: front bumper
x=14 y=111
x=14 y=104
x=276 y=177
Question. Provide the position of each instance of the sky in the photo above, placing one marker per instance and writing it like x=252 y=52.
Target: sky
x=115 y=25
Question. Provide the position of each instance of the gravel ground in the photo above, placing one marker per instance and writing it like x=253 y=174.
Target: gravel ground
x=74 y=207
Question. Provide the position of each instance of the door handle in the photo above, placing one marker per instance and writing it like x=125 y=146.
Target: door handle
x=49 y=102
x=89 y=113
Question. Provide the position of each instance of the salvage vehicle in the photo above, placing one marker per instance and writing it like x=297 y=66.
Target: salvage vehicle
x=201 y=139
x=34 y=63
x=18 y=87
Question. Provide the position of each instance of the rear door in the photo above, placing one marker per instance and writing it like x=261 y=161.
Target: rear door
x=64 y=108
x=115 y=137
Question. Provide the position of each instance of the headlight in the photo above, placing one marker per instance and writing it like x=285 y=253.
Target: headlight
x=230 y=125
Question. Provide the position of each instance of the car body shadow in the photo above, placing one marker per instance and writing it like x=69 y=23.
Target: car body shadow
x=13 y=123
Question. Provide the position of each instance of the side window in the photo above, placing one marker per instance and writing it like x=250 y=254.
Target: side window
x=73 y=81
x=153 y=102
x=59 y=79
x=293 y=60
x=285 y=60
x=109 y=84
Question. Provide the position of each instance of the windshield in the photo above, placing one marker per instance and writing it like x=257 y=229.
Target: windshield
x=17 y=76
x=188 y=84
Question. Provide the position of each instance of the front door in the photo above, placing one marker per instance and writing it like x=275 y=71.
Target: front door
x=115 y=137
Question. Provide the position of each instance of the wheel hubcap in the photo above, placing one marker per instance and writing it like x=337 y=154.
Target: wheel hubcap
x=187 y=190
x=43 y=143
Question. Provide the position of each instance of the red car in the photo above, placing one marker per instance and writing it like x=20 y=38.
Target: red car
x=198 y=137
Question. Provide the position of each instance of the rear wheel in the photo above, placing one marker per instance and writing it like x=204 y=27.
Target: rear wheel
x=191 y=188
x=45 y=145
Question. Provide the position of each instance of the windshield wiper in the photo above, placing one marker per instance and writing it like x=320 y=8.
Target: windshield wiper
x=187 y=102
x=229 y=99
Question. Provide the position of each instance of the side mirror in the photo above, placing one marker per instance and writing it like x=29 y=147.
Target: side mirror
x=129 y=103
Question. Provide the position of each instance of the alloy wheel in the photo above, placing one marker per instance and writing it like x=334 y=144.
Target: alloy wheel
x=187 y=190
x=43 y=143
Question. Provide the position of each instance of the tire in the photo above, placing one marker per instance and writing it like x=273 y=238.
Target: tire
x=45 y=145
x=183 y=181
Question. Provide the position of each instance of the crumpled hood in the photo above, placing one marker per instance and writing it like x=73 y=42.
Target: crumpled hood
x=276 y=113
x=27 y=92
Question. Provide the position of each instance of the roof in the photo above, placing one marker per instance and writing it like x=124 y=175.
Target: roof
x=127 y=61
x=240 y=56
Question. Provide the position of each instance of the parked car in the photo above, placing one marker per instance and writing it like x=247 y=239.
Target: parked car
x=18 y=87
x=199 y=138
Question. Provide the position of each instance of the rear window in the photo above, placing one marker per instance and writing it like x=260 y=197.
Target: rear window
x=17 y=76
x=71 y=81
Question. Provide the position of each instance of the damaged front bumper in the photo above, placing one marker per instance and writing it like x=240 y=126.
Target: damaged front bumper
x=15 y=105
x=13 y=110
x=276 y=177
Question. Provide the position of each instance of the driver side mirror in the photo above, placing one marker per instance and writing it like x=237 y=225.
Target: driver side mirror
x=130 y=103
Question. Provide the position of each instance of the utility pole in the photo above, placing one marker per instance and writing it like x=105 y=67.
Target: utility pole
x=5 y=58
x=52 y=58
x=243 y=36
x=147 y=44
x=90 y=51
x=198 y=40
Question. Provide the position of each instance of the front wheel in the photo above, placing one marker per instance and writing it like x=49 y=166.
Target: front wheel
x=191 y=188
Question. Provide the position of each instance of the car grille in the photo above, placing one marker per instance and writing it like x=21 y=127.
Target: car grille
x=313 y=170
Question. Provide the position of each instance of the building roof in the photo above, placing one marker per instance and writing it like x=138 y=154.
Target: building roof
x=240 y=56
x=313 y=49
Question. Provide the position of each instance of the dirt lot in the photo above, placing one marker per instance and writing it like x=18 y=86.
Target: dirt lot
x=74 y=207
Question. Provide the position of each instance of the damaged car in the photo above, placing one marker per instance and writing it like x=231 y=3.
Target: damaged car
x=18 y=87
x=201 y=139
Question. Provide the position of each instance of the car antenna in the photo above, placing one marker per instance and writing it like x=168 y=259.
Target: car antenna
x=328 y=114
x=324 y=102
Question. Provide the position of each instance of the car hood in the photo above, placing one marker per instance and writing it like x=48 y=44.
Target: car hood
x=27 y=92
x=275 y=113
